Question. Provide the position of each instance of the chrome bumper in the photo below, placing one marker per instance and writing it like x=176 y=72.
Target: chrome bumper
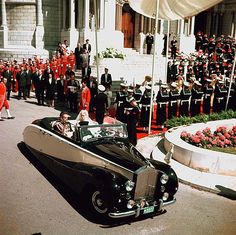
x=139 y=211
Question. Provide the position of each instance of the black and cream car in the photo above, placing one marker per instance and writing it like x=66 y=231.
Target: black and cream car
x=98 y=162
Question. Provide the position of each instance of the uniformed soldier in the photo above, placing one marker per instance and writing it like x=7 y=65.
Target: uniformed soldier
x=208 y=91
x=120 y=99
x=185 y=96
x=173 y=100
x=100 y=104
x=196 y=99
x=220 y=94
x=162 y=101
x=131 y=111
x=138 y=93
x=145 y=110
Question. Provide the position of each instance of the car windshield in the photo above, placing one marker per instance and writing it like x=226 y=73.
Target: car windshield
x=92 y=133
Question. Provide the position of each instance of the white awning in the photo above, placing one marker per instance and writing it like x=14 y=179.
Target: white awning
x=172 y=9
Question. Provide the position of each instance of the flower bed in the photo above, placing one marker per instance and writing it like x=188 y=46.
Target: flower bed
x=221 y=137
x=200 y=158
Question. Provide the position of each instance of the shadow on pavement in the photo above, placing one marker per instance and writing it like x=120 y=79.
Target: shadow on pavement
x=72 y=197
x=226 y=192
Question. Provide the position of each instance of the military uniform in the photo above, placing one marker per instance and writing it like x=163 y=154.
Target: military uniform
x=184 y=104
x=207 y=90
x=137 y=95
x=120 y=100
x=162 y=101
x=196 y=99
x=131 y=112
x=220 y=94
x=100 y=104
x=173 y=101
x=145 y=110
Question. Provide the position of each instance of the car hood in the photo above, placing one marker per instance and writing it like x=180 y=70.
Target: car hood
x=121 y=153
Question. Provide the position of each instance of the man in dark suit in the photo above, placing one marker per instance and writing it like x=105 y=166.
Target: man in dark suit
x=106 y=79
x=28 y=81
x=149 y=42
x=9 y=76
x=87 y=47
x=39 y=84
x=21 y=79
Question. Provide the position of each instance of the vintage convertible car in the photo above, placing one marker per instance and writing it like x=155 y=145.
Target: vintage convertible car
x=98 y=162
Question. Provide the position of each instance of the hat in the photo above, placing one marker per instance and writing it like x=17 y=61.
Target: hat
x=101 y=88
x=147 y=87
x=123 y=84
x=197 y=83
x=130 y=90
x=173 y=84
x=186 y=84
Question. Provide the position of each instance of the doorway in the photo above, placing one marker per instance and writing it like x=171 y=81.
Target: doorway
x=128 y=23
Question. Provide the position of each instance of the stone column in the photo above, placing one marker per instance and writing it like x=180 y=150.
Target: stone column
x=63 y=14
x=73 y=34
x=141 y=35
x=3 y=27
x=4 y=13
x=86 y=14
x=181 y=27
x=101 y=26
x=141 y=23
x=118 y=23
x=72 y=14
x=149 y=24
x=192 y=25
x=39 y=33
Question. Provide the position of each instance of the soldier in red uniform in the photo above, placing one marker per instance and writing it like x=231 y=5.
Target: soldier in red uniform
x=3 y=99
x=71 y=60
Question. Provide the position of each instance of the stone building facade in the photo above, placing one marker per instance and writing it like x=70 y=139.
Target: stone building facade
x=29 y=27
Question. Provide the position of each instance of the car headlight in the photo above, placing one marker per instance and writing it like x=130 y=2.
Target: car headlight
x=129 y=185
x=164 y=178
x=165 y=196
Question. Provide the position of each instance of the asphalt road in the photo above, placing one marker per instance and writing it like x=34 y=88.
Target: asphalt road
x=33 y=201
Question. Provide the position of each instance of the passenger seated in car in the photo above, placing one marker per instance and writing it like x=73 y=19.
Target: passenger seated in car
x=84 y=119
x=62 y=125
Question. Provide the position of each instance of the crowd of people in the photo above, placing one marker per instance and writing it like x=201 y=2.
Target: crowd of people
x=196 y=83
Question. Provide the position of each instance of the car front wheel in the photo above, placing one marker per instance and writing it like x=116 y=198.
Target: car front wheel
x=99 y=202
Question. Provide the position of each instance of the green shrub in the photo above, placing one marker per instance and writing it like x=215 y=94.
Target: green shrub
x=111 y=53
x=183 y=120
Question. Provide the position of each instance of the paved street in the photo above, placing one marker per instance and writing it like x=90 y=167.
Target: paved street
x=32 y=200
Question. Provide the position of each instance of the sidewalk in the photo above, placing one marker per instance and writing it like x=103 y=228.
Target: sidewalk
x=152 y=146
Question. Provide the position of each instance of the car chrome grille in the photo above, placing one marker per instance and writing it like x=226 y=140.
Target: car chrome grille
x=145 y=183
